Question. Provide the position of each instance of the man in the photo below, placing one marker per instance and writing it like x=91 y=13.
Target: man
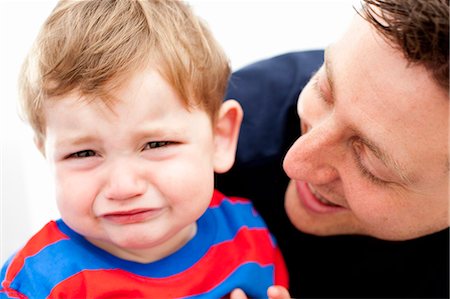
x=368 y=195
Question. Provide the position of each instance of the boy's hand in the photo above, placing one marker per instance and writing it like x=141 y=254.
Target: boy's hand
x=278 y=292
x=237 y=294
x=273 y=292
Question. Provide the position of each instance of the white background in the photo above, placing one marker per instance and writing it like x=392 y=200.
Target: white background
x=248 y=30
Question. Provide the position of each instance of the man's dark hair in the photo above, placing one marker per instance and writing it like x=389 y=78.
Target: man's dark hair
x=420 y=28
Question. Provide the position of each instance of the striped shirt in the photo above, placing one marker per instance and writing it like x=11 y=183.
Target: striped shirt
x=232 y=248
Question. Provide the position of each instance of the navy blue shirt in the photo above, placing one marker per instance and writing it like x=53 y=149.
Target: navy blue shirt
x=320 y=267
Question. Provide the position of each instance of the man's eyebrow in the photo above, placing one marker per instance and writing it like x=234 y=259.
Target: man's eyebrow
x=329 y=72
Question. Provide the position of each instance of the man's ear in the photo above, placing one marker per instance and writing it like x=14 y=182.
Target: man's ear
x=226 y=133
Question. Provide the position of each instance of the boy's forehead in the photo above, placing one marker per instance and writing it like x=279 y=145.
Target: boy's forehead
x=75 y=102
x=149 y=82
x=104 y=96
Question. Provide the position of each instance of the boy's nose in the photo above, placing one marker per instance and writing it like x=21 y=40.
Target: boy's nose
x=125 y=181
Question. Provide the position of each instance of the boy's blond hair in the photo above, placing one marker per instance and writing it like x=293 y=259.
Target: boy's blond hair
x=93 y=46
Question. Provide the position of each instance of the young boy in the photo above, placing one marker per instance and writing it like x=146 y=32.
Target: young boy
x=125 y=98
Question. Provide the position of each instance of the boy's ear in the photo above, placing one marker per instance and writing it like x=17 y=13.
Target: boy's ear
x=39 y=142
x=226 y=133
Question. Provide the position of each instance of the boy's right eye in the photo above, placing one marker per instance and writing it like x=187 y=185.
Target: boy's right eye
x=82 y=154
x=157 y=144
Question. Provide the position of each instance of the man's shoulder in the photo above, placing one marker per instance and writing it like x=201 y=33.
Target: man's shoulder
x=278 y=75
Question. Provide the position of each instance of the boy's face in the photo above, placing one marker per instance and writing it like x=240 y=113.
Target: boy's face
x=373 y=157
x=133 y=180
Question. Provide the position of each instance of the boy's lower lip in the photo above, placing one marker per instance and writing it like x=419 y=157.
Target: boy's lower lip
x=134 y=216
x=310 y=202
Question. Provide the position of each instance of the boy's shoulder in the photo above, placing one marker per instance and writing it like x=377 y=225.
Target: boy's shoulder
x=234 y=212
x=218 y=199
x=28 y=265
x=242 y=236
x=235 y=209
x=47 y=235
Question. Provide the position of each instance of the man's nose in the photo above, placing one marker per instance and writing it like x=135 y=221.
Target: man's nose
x=125 y=180
x=314 y=156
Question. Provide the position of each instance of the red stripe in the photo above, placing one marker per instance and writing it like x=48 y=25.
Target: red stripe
x=49 y=234
x=217 y=264
x=219 y=197
x=281 y=274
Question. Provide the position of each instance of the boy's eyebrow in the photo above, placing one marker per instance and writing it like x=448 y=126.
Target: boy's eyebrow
x=76 y=140
x=382 y=155
x=140 y=133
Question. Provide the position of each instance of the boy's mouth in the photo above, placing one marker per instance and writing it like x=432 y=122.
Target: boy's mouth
x=132 y=216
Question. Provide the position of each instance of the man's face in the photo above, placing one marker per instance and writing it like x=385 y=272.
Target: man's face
x=373 y=155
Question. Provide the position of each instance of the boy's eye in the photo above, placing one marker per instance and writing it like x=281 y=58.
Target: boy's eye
x=82 y=154
x=156 y=144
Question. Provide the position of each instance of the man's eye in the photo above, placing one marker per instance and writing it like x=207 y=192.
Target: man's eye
x=82 y=154
x=358 y=148
x=156 y=144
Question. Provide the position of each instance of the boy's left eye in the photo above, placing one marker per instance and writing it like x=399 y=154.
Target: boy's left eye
x=156 y=144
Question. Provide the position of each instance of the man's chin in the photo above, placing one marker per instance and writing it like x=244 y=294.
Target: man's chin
x=322 y=229
x=335 y=227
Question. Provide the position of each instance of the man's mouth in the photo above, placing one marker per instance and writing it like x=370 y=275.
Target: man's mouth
x=315 y=202
x=320 y=198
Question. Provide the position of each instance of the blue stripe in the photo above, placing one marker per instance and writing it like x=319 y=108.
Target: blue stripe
x=232 y=216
